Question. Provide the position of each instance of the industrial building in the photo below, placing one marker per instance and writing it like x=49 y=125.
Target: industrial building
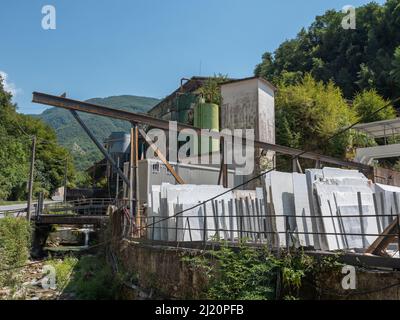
x=248 y=103
x=302 y=208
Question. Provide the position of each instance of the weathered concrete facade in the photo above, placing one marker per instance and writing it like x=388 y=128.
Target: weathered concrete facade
x=250 y=104
x=370 y=285
x=161 y=272
x=386 y=176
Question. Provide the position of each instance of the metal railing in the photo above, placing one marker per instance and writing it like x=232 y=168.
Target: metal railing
x=261 y=229
x=94 y=206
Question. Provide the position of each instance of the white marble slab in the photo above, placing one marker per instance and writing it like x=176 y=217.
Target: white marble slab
x=283 y=202
x=348 y=205
x=304 y=221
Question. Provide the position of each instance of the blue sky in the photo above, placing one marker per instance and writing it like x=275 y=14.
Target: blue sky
x=102 y=48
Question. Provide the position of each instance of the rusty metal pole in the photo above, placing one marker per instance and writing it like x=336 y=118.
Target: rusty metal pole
x=31 y=175
x=131 y=177
x=65 y=180
x=138 y=214
x=134 y=204
x=117 y=183
x=224 y=166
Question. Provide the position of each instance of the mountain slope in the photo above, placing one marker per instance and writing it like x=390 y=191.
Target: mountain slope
x=72 y=136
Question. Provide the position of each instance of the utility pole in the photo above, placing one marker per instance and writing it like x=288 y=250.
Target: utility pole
x=131 y=177
x=30 y=183
x=117 y=183
x=133 y=194
x=138 y=215
x=65 y=180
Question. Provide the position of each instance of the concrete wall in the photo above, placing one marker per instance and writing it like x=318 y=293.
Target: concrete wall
x=154 y=172
x=160 y=271
x=370 y=285
x=239 y=108
x=250 y=104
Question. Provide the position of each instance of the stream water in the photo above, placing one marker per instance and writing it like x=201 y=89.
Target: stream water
x=72 y=267
x=67 y=239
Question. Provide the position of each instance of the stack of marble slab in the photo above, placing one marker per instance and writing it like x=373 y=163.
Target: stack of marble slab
x=323 y=208
x=387 y=199
x=340 y=199
x=179 y=214
x=288 y=199
x=251 y=214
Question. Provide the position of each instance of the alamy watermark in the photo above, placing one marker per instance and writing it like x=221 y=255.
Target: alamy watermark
x=49 y=280
x=349 y=281
x=49 y=19
x=188 y=146
x=349 y=20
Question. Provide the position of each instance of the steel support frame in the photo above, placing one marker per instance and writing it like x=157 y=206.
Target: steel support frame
x=99 y=146
x=81 y=106
x=161 y=156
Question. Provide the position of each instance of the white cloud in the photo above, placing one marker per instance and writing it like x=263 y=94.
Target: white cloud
x=9 y=86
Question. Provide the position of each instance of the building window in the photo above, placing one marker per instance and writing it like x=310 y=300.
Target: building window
x=155 y=168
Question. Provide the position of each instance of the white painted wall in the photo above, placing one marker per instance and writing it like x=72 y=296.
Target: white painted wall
x=367 y=155
x=266 y=112
x=239 y=105
x=249 y=104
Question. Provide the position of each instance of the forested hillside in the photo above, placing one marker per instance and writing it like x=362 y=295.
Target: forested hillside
x=365 y=58
x=71 y=135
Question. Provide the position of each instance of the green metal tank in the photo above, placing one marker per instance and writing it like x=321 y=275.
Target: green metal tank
x=206 y=116
x=184 y=106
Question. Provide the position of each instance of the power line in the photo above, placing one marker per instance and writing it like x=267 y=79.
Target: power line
x=236 y=187
x=268 y=171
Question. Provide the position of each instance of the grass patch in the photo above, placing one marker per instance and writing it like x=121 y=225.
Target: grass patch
x=6 y=203
x=15 y=236
x=92 y=278
x=64 y=269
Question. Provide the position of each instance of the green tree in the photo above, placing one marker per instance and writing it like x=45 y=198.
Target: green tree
x=354 y=59
x=368 y=102
x=310 y=112
x=16 y=132
x=395 y=73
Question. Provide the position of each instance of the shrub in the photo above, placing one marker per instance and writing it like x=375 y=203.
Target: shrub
x=15 y=235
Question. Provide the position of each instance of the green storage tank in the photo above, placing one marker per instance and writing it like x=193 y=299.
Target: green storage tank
x=206 y=116
x=184 y=106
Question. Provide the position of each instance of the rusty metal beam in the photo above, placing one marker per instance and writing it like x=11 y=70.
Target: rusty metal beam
x=71 y=219
x=99 y=145
x=70 y=104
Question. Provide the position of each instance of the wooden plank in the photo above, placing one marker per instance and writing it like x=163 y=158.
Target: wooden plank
x=161 y=157
x=387 y=237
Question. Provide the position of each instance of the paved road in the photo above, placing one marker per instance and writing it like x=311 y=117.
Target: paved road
x=20 y=206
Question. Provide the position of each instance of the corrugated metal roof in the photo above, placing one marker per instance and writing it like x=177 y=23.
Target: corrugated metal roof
x=380 y=129
x=269 y=84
